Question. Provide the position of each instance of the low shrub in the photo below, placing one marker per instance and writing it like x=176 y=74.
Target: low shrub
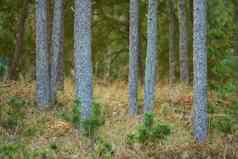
x=150 y=130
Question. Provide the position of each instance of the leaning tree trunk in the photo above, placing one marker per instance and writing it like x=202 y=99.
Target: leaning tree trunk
x=133 y=55
x=42 y=65
x=172 y=42
x=57 y=46
x=183 y=42
x=151 y=57
x=83 y=62
x=200 y=71
x=19 y=40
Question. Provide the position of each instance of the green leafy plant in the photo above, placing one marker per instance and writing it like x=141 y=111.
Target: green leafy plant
x=14 y=113
x=89 y=126
x=76 y=113
x=14 y=150
x=150 y=130
x=224 y=124
x=226 y=90
x=103 y=149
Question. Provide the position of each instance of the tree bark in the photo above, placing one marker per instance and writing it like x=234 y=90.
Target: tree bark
x=83 y=61
x=133 y=55
x=42 y=64
x=236 y=35
x=19 y=40
x=183 y=42
x=200 y=71
x=151 y=57
x=57 y=47
x=172 y=42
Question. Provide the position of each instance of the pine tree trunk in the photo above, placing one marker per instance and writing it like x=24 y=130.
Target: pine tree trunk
x=50 y=6
x=200 y=71
x=236 y=35
x=183 y=42
x=151 y=57
x=83 y=61
x=19 y=40
x=133 y=55
x=57 y=46
x=42 y=65
x=172 y=42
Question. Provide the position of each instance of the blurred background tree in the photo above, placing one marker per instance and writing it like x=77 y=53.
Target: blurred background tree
x=111 y=35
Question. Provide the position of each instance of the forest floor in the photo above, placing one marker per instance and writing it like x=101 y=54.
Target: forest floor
x=27 y=132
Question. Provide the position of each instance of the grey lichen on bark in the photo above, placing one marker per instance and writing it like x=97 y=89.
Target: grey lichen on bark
x=183 y=42
x=42 y=65
x=151 y=57
x=133 y=55
x=200 y=117
x=82 y=55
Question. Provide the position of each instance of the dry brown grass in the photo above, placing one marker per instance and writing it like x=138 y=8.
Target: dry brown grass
x=114 y=97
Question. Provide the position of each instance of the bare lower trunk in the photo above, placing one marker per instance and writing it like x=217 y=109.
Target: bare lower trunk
x=42 y=64
x=200 y=117
x=83 y=61
x=236 y=34
x=172 y=43
x=183 y=42
x=133 y=55
x=19 y=40
x=151 y=57
x=57 y=48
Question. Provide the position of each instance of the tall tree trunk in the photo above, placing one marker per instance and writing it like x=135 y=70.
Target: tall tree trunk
x=200 y=71
x=60 y=69
x=172 y=42
x=236 y=22
x=42 y=64
x=19 y=40
x=183 y=42
x=50 y=6
x=151 y=57
x=141 y=66
x=83 y=61
x=133 y=55
x=57 y=46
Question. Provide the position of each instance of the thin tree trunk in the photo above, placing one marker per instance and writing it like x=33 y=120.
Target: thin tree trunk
x=236 y=22
x=133 y=55
x=50 y=6
x=83 y=61
x=42 y=64
x=19 y=40
x=60 y=72
x=141 y=66
x=57 y=47
x=151 y=57
x=200 y=71
x=172 y=42
x=183 y=42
